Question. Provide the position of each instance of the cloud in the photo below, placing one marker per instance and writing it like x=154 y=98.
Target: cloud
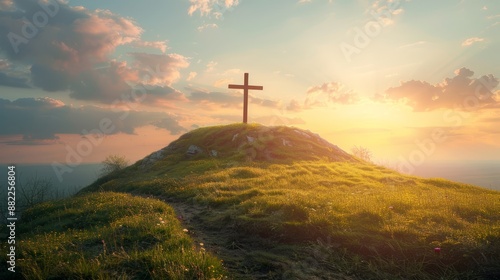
x=288 y=75
x=309 y=1
x=120 y=83
x=461 y=91
x=332 y=92
x=34 y=103
x=265 y=102
x=211 y=66
x=490 y=120
x=207 y=26
x=160 y=45
x=229 y=99
x=213 y=8
x=191 y=76
x=469 y=41
x=6 y=5
x=4 y=64
x=171 y=124
x=329 y=88
x=232 y=71
x=418 y=43
x=71 y=52
x=494 y=24
x=44 y=118
x=384 y=11
x=11 y=78
x=159 y=69
x=294 y=106
x=10 y=81
x=220 y=98
x=71 y=38
x=160 y=94
x=222 y=83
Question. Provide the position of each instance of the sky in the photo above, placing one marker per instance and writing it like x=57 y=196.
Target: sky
x=412 y=81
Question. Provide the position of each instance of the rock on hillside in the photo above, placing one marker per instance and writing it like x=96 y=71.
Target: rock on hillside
x=248 y=143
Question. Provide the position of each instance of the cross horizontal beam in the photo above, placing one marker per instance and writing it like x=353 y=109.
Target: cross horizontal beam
x=245 y=87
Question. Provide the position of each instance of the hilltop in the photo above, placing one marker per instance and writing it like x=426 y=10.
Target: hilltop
x=244 y=143
x=255 y=202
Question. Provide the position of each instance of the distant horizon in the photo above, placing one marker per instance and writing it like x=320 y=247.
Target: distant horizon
x=426 y=171
x=377 y=162
x=82 y=80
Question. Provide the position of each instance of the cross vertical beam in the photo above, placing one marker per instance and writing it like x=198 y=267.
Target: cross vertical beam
x=245 y=87
x=245 y=100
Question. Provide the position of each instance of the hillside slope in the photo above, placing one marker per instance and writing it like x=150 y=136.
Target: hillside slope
x=107 y=236
x=282 y=203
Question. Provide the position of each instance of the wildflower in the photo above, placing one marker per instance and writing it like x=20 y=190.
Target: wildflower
x=185 y=230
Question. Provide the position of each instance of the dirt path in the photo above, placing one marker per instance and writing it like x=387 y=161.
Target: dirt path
x=247 y=256
x=244 y=256
x=217 y=242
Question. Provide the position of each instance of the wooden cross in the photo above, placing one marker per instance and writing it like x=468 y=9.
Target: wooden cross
x=245 y=89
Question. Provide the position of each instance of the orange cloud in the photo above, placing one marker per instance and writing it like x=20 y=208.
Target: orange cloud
x=160 y=45
x=159 y=69
x=330 y=92
x=461 y=91
x=73 y=54
x=469 y=41
x=191 y=76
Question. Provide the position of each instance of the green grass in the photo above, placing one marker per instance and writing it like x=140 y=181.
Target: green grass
x=108 y=236
x=385 y=225
x=309 y=212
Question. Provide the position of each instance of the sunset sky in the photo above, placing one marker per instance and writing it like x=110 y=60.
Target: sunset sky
x=410 y=80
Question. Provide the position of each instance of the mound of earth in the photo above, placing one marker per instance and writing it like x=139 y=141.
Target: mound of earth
x=249 y=142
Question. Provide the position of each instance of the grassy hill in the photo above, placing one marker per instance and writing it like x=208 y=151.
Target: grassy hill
x=254 y=202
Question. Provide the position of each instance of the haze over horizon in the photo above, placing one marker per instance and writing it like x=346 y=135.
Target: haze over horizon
x=412 y=81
